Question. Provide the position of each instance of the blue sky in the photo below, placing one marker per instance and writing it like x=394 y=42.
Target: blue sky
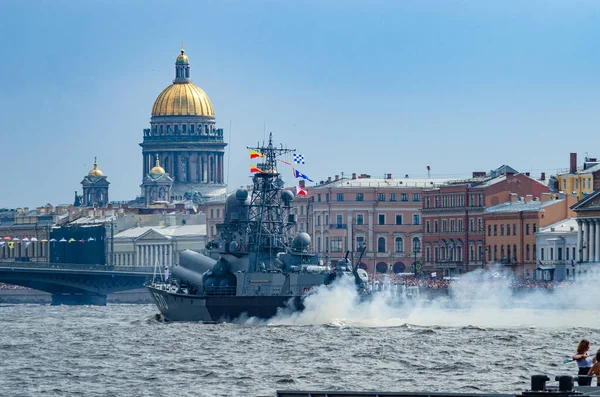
x=356 y=86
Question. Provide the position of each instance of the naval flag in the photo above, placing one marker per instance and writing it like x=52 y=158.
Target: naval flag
x=298 y=174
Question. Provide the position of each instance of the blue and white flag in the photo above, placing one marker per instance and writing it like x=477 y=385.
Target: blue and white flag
x=299 y=159
x=298 y=174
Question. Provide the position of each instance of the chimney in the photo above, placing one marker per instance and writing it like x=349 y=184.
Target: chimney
x=25 y=210
x=543 y=176
x=527 y=174
x=528 y=198
x=354 y=175
x=302 y=183
x=477 y=174
x=546 y=196
x=513 y=197
x=389 y=176
x=511 y=174
x=573 y=164
x=328 y=179
x=337 y=177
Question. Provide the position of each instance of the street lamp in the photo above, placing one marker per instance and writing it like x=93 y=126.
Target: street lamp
x=415 y=251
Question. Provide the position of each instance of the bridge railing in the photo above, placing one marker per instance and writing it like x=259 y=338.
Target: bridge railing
x=77 y=266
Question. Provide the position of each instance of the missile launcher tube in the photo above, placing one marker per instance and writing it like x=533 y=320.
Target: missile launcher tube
x=196 y=262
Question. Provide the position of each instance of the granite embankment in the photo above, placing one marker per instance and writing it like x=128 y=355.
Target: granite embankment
x=33 y=296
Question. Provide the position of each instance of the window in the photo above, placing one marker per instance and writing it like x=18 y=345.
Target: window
x=460 y=225
x=318 y=220
x=404 y=197
x=471 y=253
x=398 y=244
x=436 y=227
x=427 y=227
x=398 y=219
x=527 y=229
x=212 y=213
x=360 y=242
x=360 y=219
x=392 y=196
x=319 y=197
x=339 y=220
x=495 y=230
x=471 y=225
x=514 y=229
x=534 y=254
x=416 y=197
x=436 y=253
x=381 y=219
x=451 y=225
x=327 y=197
x=527 y=254
x=508 y=230
x=534 y=228
x=502 y=230
x=380 y=196
x=489 y=250
x=340 y=197
x=515 y=252
x=444 y=226
x=327 y=219
x=480 y=224
x=336 y=244
x=416 y=244
x=489 y=230
x=428 y=254
x=360 y=197
x=319 y=244
x=427 y=202
x=480 y=200
x=437 y=201
x=416 y=219
x=381 y=244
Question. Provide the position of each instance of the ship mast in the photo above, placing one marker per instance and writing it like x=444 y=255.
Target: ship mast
x=269 y=205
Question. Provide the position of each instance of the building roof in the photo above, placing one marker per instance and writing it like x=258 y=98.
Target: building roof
x=520 y=206
x=562 y=226
x=167 y=231
x=93 y=219
x=385 y=183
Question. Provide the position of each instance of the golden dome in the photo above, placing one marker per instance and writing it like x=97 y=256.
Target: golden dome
x=95 y=171
x=183 y=99
x=182 y=58
x=157 y=169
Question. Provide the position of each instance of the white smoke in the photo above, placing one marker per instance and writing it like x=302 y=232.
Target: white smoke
x=478 y=299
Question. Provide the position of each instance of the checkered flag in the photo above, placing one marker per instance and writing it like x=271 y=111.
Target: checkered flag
x=299 y=159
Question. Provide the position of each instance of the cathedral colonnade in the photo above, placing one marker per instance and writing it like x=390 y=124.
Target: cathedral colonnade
x=192 y=167
x=588 y=239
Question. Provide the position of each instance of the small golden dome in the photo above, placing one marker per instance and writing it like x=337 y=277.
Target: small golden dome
x=95 y=171
x=157 y=169
x=182 y=58
x=183 y=99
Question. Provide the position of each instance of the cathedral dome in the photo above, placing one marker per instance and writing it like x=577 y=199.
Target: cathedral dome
x=182 y=98
x=95 y=171
x=157 y=169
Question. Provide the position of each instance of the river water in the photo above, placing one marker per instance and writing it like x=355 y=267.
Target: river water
x=336 y=344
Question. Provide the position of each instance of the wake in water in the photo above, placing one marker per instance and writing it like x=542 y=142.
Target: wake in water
x=472 y=301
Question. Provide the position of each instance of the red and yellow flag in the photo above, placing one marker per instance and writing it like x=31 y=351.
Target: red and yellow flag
x=254 y=154
x=255 y=169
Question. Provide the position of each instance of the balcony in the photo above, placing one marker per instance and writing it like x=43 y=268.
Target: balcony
x=338 y=226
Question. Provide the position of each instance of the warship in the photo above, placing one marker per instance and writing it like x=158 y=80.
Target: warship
x=253 y=267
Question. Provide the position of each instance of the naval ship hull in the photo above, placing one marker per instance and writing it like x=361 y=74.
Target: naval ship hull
x=209 y=309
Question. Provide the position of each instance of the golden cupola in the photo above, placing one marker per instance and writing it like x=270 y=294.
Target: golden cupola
x=95 y=171
x=157 y=169
x=182 y=98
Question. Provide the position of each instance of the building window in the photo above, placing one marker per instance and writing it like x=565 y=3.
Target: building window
x=318 y=220
x=404 y=197
x=515 y=252
x=527 y=229
x=416 y=244
x=444 y=226
x=381 y=244
x=416 y=197
x=451 y=225
x=380 y=196
x=479 y=224
x=398 y=219
x=489 y=230
x=502 y=230
x=327 y=197
x=340 y=197
x=437 y=201
x=360 y=197
x=495 y=230
x=495 y=252
x=436 y=253
x=360 y=242
x=489 y=250
x=360 y=219
x=508 y=230
x=336 y=244
x=392 y=196
x=460 y=225
x=319 y=197
x=427 y=202
x=381 y=219
x=436 y=227
x=527 y=254
x=471 y=253
x=514 y=229
x=327 y=219
x=428 y=254
x=471 y=225
x=416 y=219
x=399 y=245
x=339 y=220
x=212 y=213
x=427 y=227
x=534 y=228
x=534 y=254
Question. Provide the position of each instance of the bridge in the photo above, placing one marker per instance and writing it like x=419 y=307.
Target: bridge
x=74 y=284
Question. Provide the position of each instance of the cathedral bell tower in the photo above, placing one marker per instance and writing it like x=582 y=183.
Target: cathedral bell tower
x=157 y=185
x=95 y=188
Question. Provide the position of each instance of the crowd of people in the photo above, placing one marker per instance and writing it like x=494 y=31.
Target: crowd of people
x=388 y=281
x=11 y=287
